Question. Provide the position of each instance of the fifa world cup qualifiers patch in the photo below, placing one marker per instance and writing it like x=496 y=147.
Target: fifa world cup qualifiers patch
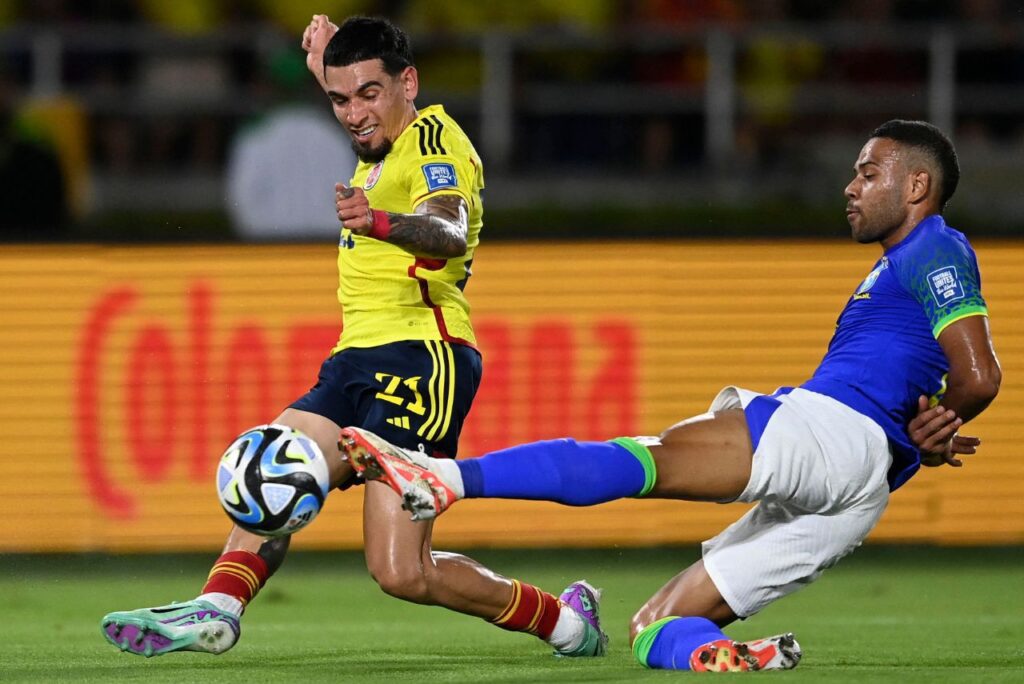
x=945 y=285
x=440 y=175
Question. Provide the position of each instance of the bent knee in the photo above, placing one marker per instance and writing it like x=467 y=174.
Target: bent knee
x=407 y=584
x=640 y=620
x=719 y=613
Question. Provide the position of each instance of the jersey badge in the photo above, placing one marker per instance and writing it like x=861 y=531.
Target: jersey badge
x=945 y=285
x=440 y=175
x=374 y=175
x=872 y=278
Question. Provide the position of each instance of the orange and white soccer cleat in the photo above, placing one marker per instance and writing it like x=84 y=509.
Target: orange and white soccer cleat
x=410 y=473
x=780 y=652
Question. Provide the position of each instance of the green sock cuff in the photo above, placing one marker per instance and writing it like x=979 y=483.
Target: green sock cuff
x=642 y=454
x=645 y=639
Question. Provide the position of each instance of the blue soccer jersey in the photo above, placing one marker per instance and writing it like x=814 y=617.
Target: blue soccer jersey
x=884 y=353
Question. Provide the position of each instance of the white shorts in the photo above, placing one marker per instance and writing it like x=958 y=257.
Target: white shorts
x=819 y=477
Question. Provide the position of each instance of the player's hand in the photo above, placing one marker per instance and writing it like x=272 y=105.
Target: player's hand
x=314 y=41
x=353 y=209
x=934 y=431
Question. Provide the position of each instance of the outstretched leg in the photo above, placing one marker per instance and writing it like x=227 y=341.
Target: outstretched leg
x=707 y=458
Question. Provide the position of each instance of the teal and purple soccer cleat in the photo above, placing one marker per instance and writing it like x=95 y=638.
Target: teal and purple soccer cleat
x=780 y=652
x=585 y=599
x=424 y=493
x=189 y=626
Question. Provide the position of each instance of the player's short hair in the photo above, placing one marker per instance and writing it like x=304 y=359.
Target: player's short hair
x=929 y=140
x=363 y=38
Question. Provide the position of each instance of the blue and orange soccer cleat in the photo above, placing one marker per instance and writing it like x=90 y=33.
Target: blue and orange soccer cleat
x=424 y=493
x=584 y=599
x=189 y=626
x=780 y=652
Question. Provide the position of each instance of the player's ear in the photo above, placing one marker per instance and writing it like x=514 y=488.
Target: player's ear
x=920 y=182
x=410 y=80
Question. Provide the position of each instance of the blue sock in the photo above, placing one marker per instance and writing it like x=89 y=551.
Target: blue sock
x=668 y=643
x=562 y=470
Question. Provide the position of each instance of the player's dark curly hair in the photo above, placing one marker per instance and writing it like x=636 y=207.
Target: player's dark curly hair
x=927 y=138
x=363 y=38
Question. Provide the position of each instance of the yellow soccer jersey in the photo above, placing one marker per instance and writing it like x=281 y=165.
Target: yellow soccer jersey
x=386 y=293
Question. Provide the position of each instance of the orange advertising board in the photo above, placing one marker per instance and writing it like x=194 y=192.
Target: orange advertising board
x=127 y=370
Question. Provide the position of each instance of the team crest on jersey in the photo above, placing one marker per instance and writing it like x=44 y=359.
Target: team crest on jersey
x=374 y=175
x=440 y=175
x=945 y=285
x=872 y=278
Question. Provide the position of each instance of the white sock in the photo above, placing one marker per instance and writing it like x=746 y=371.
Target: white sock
x=449 y=471
x=225 y=602
x=569 y=630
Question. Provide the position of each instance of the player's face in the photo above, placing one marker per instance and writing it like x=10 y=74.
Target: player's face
x=876 y=205
x=373 y=106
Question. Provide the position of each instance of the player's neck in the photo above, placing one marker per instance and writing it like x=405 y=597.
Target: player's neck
x=906 y=228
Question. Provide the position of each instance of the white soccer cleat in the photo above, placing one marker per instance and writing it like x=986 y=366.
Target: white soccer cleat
x=780 y=652
x=424 y=493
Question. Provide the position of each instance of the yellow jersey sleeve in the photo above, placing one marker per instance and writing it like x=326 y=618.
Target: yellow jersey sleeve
x=438 y=171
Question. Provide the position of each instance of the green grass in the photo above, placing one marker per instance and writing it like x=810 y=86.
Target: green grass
x=886 y=613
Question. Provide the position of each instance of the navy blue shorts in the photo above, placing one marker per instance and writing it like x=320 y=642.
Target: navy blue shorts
x=415 y=394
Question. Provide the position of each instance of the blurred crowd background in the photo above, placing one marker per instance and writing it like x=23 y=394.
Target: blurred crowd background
x=151 y=120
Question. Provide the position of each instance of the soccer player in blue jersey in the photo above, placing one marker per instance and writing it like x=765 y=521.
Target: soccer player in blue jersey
x=910 y=361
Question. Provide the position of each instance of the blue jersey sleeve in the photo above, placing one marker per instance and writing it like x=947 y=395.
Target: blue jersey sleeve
x=941 y=273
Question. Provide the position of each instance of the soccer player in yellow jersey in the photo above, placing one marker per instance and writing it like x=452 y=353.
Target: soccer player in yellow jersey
x=405 y=366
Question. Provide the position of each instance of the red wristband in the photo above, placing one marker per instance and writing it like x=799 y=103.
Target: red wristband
x=381 y=225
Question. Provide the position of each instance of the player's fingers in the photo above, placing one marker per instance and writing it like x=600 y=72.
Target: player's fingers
x=926 y=416
x=934 y=428
x=965 y=445
x=344 y=191
x=944 y=426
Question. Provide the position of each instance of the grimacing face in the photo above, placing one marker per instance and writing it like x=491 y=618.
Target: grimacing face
x=876 y=197
x=373 y=106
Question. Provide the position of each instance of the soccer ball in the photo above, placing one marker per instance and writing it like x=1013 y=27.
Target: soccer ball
x=272 y=480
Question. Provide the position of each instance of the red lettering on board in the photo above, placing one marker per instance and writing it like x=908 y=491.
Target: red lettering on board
x=200 y=315
x=488 y=427
x=249 y=381
x=549 y=369
x=151 y=404
x=111 y=498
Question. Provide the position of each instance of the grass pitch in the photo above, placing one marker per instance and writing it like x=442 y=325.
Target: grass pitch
x=885 y=614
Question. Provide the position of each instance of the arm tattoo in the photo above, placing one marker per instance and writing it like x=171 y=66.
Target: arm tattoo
x=437 y=229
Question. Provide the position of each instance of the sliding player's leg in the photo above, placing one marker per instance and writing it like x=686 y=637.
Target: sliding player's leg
x=706 y=458
x=400 y=559
x=211 y=622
